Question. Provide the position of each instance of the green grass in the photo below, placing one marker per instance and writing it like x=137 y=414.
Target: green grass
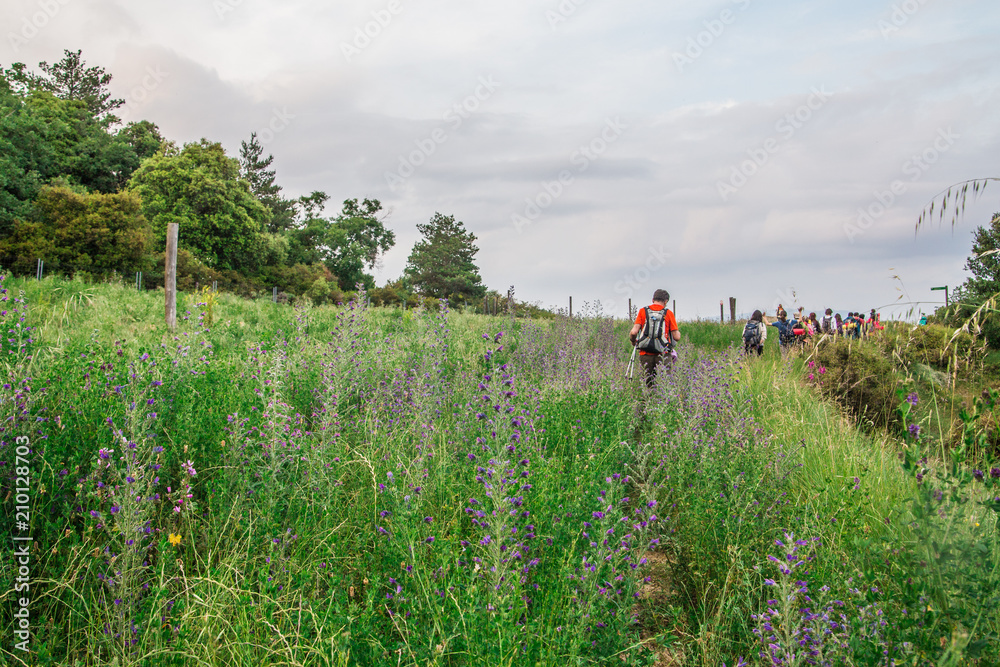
x=359 y=470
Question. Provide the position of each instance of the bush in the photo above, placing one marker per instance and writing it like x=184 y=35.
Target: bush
x=71 y=231
x=860 y=378
x=933 y=345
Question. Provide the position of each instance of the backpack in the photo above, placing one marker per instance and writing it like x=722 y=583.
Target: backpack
x=654 y=337
x=827 y=326
x=786 y=333
x=751 y=334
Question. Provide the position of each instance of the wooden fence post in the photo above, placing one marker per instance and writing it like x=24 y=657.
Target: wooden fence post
x=571 y=307
x=732 y=309
x=170 y=274
x=722 y=313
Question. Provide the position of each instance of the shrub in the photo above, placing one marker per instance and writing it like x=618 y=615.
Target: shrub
x=933 y=345
x=859 y=378
x=70 y=231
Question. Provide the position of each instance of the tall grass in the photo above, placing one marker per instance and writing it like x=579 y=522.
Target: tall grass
x=347 y=485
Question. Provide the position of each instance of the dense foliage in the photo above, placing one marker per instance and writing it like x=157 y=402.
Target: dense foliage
x=94 y=233
x=59 y=135
x=199 y=188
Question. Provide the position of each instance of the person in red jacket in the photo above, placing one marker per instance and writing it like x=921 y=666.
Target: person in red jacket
x=651 y=360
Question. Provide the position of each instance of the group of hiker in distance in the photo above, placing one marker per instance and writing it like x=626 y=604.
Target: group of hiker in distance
x=654 y=332
x=791 y=332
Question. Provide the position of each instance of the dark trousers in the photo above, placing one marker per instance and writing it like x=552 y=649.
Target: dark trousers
x=651 y=363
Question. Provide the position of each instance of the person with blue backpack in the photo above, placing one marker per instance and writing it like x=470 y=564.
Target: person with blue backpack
x=786 y=330
x=654 y=335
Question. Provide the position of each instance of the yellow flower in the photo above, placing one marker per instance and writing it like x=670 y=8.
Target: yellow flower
x=174 y=539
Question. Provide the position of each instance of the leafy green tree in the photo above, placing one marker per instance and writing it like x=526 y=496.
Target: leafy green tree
x=307 y=236
x=74 y=231
x=70 y=79
x=984 y=262
x=144 y=137
x=354 y=241
x=976 y=302
x=442 y=264
x=348 y=245
x=199 y=187
x=43 y=138
x=20 y=179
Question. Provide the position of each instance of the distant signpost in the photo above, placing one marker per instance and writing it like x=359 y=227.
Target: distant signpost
x=945 y=288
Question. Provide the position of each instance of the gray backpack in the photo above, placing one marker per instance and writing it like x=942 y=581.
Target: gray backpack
x=751 y=334
x=654 y=336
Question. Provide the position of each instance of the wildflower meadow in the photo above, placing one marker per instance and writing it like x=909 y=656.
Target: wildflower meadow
x=349 y=485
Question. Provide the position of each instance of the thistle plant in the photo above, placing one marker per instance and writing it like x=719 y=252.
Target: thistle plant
x=125 y=492
x=794 y=629
x=499 y=513
x=17 y=341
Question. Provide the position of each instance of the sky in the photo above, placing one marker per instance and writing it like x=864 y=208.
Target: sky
x=776 y=152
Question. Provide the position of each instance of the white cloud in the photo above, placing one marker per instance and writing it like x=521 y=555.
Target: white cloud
x=655 y=185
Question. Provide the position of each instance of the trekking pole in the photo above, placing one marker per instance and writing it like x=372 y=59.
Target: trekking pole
x=631 y=364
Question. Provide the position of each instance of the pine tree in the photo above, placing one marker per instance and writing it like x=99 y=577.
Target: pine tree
x=70 y=79
x=443 y=265
x=254 y=170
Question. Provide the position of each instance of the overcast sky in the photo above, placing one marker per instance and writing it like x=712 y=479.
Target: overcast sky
x=597 y=149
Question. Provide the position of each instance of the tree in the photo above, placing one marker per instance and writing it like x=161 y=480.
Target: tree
x=974 y=304
x=354 y=241
x=200 y=188
x=347 y=245
x=983 y=263
x=43 y=138
x=74 y=231
x=442 y=264
x=143 y=137
x=254 y=170
x=308 y=233
x=70 y=79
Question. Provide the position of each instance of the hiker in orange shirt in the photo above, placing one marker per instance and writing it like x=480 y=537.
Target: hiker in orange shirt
x=654 y=333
